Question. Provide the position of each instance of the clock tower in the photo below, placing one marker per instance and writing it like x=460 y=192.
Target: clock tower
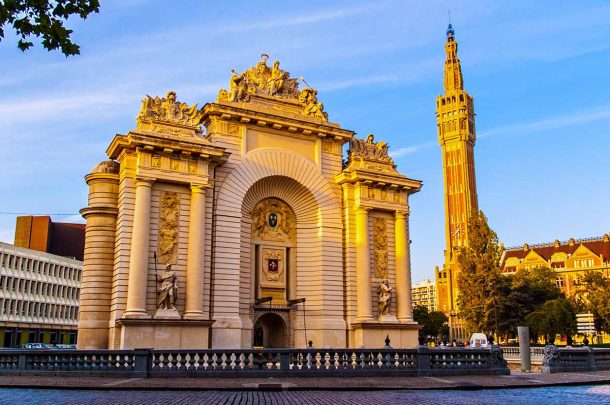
x=456 y=136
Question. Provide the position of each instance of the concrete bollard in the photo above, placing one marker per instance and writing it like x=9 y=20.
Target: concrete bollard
x=524 y=348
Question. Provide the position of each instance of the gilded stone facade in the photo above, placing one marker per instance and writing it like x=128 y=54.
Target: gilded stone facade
x=263 y=226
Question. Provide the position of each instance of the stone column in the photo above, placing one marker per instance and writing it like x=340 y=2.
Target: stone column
x=404 y=307
x=363 y=273
x=138 y=263
x=96 y=283
x=195 y=255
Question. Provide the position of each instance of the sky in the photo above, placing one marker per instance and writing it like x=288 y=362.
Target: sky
x=538 y=72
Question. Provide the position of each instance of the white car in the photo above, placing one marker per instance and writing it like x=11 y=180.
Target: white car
x=478 y=340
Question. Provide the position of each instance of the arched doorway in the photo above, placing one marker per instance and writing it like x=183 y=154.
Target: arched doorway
x=270 y=332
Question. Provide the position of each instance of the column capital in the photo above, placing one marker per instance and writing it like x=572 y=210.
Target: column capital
x=144 y=181
x=199 y=188
x=401 y=213
x=362 y=210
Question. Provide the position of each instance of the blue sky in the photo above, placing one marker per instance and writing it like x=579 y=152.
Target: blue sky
x=538 y=72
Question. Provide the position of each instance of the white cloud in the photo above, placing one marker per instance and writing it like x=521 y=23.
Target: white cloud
x=576 y=118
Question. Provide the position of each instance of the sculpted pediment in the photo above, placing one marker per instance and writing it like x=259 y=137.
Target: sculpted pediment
x=168 y=116
x=272 y=84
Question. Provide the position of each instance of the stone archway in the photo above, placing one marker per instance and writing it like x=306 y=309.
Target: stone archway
x=271 y=332
x=299 y=182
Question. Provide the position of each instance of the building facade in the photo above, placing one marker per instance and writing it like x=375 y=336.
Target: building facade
x=251 y=231
x=39 y=297
x=40 y=233
x=569 y=259
x=456 y=135
x=424 y=294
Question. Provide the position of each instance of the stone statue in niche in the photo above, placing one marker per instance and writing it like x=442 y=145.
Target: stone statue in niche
x=385 y=297
x=380 y=247
x=167 y=242
x=168 y=291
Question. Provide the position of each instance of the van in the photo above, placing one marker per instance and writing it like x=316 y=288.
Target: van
x=478 y=340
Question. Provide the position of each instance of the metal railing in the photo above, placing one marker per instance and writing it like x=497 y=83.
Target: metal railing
x=256 y=363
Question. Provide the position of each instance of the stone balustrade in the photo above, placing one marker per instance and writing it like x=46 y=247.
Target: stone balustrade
x=555 y=359
x=256 y=363
x=511 y=354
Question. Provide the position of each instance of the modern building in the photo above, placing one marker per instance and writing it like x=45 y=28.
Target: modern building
x=39 y=297
x=456 y=135
x=58 y=238
x=570 y=259
x=424 y=294
x=258 y=231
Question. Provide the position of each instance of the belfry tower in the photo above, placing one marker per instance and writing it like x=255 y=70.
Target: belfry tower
x=456 y=135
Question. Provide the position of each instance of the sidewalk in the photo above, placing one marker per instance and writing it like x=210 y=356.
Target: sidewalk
x=516 y=380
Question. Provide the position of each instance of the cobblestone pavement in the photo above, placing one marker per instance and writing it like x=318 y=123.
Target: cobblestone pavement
x=581 y=395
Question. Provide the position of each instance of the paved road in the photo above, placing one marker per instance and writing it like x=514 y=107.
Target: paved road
x=580 y=395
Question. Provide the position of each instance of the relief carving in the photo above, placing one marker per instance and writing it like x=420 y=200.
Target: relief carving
x=273 y=266
x=273 y=220
x=168 y=110
x=156 y=161
x=167 y=241
x=380 y=246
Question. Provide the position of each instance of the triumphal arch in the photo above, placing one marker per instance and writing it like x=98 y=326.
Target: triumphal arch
x=244 y=224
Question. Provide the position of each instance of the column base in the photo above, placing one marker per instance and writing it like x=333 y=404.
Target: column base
x=194 y=315
x=136 y=315
x=373 y=334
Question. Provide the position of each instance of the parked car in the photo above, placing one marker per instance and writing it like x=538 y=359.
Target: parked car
x=65 y=347
x=35 y=346
x=478 y=340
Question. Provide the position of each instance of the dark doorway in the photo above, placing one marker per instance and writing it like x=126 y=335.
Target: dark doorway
x=270 y=332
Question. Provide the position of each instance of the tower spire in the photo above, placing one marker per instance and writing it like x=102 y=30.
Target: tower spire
x=456 y=135
x=453 y=70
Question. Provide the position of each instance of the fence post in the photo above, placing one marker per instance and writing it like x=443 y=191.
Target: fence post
x=424 y=365
x=143 y=363
x=525 y=355
x=21 y=361
x=285 y=361
x=592 y=364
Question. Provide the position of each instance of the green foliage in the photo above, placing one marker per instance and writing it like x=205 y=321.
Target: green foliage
x=45 y=19
x=433 y=323
x=593 y=295
x=556 y=316
x=523 y=293
x=480 y=282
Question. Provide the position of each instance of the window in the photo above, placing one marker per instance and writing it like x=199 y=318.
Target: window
x=559 y=281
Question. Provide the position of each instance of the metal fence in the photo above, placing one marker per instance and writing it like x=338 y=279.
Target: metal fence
x=421 y=361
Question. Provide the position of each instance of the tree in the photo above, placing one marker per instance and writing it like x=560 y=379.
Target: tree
x=480 y=282
x=593 y=295
x=529 y=289
x=433 y=323
x=45 y=19
x=556 y=316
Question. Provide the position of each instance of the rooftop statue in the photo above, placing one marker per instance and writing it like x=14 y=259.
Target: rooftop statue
x=263 y=80
x=169 y=110
x=369 y=149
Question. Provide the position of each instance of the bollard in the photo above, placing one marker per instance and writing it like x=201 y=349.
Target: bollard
x=524 y=348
